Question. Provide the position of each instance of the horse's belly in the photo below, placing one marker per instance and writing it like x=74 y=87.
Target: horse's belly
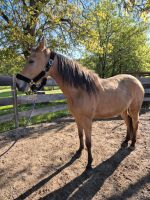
x=111 y=110
x=106 y=115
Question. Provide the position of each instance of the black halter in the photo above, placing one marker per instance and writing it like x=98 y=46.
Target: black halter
x=33 y=81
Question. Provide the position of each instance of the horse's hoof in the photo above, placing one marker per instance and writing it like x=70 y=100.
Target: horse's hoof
x=124 y=144
x=132 y=148
x=89 y=168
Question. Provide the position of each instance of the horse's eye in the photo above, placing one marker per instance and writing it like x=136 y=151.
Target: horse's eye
x=31 y=61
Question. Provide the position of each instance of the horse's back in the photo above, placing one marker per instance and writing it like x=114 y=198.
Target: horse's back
x=123 y=81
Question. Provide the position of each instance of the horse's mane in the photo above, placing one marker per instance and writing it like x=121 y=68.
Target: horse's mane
x=76 y=75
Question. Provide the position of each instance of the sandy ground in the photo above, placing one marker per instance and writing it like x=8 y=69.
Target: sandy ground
x=41 y=164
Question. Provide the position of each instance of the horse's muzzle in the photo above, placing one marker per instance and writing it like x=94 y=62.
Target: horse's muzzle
x=21 y=85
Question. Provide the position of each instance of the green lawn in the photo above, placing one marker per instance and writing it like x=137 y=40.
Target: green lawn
x=34 y=120
x=5 y=92
x=53 y=91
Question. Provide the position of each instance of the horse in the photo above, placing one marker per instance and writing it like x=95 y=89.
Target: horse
x=88 y=96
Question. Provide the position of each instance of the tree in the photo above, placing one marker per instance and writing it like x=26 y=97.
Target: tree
x=137 y=8
x=10 y=61
x=24 y=22
x=116 y=44
x=114 y=40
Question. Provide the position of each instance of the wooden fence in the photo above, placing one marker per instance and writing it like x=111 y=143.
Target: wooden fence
x=29 y=99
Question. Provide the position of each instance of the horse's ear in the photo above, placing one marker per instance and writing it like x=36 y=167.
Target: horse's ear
x=42 y=44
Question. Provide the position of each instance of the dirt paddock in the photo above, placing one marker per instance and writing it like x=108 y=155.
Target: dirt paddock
x=42 y=165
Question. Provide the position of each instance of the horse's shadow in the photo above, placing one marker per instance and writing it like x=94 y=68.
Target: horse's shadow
x=89 y=183
x=86 y=185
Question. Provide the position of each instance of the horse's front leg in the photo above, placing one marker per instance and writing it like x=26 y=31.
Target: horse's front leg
x=88 y=129
x=80 y=133
x=90 y=158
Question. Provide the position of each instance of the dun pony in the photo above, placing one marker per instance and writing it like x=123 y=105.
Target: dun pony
x=89 y=96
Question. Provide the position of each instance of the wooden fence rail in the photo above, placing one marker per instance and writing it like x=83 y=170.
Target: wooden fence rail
x=41 y=98
x=29 y=99
x=140 y=74
x=146 y=84
x=6 y=80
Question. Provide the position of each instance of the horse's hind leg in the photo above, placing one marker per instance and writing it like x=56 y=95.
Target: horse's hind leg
x=128 y=121
x=134 y=110
x=135 y=122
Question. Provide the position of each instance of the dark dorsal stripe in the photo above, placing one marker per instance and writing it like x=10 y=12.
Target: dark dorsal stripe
x=75 y=75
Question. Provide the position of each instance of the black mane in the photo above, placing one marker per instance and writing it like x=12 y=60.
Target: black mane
x=76 y=75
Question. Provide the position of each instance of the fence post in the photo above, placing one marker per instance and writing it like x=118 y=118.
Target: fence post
x=15 y=105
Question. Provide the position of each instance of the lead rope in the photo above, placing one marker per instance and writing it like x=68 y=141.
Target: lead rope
x=33 y=107
x=24 y=128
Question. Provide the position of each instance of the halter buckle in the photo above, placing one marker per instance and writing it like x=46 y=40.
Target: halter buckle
x=49 y=64
x=32 y=82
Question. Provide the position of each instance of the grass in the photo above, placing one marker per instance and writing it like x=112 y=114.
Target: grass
x=34 y=120
x=9 y=109
x=4 y=87
x=53 y=91
x=6 y=109
x=5 y=92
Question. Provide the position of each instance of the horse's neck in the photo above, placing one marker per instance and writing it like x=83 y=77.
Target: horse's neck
x=66 y=89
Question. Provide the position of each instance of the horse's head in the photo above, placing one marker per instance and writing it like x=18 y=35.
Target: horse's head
x=35 y=64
